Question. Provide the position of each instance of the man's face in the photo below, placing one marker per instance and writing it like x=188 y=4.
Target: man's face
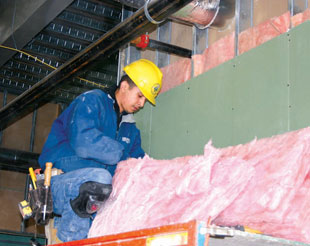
x=133 y=99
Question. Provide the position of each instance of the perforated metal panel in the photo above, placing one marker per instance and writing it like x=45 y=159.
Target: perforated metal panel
x=79 y=25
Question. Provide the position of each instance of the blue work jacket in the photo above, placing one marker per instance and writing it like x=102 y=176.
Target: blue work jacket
x=86 y=135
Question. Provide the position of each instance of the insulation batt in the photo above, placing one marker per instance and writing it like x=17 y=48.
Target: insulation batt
x=264 y=184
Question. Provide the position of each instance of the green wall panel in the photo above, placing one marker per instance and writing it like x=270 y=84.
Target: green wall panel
x=191 y=114
x=260 y=93
x=299 y=76
x=144 y=118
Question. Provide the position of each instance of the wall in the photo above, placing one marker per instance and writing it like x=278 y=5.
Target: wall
x=12 y=184
x=260 y=93
x=12 y=188
x=17 y=135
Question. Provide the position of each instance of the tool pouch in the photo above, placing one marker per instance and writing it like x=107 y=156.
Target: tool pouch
x=38 y=197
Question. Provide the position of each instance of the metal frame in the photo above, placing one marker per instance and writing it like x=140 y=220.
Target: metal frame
x=297 y=6
x=163 y=38
x=237 y=26
x=200 y=40
x=188 y=233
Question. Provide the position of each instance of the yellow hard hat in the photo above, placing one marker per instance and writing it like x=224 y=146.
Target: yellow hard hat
x=147 y=76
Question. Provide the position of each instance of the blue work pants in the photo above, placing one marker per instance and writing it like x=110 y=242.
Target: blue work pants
x=65 y=187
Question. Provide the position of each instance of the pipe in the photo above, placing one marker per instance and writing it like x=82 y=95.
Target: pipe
x=106 y=45
x=199 y=12
x=169 y=48
x=17 y=160
x=145 y=42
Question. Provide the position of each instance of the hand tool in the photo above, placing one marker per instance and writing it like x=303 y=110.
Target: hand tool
x=33 y=177
x=25 y=209
x=47 y=183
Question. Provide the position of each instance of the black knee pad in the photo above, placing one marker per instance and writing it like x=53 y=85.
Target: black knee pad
x=92 y=196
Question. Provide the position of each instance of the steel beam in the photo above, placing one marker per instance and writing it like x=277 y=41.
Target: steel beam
x=245 y=15
x=106 y=45
x=169 y=48
x=163 y=35
x=237 y=26
x=17 y=160
x=297 y=6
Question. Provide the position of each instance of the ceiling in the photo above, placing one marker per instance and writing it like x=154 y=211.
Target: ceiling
x=78 y=25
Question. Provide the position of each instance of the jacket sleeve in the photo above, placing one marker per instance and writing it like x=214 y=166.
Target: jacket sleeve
x=85 y=137
x=136 y=151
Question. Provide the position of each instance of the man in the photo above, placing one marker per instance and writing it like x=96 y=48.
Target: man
x=87 y=141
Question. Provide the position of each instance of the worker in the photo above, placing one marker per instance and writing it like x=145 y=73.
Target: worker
x=88 y=139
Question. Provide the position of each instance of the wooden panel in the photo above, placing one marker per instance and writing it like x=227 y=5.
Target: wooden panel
x=217 y=33
x=11 y=193
x=182 y=35
x=45 y=118
x=12 y=189
x=20 y=130
x=266 y=9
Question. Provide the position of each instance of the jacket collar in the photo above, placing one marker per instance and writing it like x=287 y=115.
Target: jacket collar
x=119 y=115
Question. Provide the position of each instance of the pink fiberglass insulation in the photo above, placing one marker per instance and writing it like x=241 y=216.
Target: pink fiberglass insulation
x=264 y=184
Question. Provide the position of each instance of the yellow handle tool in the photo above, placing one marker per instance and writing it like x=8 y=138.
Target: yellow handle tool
x=33 y=177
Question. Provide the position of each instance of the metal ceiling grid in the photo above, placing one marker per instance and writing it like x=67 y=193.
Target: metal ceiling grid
x=79 y=25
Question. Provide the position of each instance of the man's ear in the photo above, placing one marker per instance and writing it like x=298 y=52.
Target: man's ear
x=124 y=85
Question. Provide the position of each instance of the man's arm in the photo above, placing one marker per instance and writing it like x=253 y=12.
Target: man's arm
x=85 y=137
x=136 y=151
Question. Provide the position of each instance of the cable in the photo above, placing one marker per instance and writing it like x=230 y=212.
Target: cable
x=27 y=54
x=44 y=63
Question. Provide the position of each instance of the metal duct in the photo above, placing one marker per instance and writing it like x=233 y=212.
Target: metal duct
x=200 y=12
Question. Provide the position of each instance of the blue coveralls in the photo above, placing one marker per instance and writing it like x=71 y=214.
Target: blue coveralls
x=86 y=144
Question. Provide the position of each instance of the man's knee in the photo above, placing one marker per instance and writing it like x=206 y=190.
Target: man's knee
x=92 y=196
x=99 y=175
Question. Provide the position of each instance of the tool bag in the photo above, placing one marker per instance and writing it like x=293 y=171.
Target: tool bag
x=38 y=199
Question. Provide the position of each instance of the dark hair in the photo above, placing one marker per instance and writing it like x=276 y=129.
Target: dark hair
x=129 y=81
x=112 y=89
